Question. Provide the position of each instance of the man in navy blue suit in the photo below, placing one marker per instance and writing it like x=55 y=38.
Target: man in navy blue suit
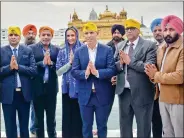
x=93 y=67
x=16 y=69
x=29 y=32
x=45 y=83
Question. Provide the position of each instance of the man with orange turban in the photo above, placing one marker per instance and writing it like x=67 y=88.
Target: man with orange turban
x=169 y=77
x=45 y=83
x=29 y=32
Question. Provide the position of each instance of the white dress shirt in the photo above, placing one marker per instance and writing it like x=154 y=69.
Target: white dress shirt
x=18 y=77
x=92 y=57
x=126 y=50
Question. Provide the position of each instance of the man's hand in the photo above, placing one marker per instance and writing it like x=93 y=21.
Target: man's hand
x=125 y=58
x=71 y=56
x=88 y=72
x=121 y=57
x=113 y=80
x=150 y=70
x=13 y=62
x=45 y=60
x=49 y=62
x=93 y=69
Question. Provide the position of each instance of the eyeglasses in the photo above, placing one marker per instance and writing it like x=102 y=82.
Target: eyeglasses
x=13 y=34
x=130 y=28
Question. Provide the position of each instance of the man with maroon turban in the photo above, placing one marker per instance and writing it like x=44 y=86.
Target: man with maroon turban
x=169 y=76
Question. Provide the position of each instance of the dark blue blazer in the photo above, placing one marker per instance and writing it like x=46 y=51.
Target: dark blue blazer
x=27 y=70
x=105 y=65
x=52 y=85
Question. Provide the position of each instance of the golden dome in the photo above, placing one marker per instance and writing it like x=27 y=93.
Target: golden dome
x=123 y=14
x=107 y=14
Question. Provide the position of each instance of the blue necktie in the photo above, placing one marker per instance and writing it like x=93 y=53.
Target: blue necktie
x=46 y=74
x=15 y=76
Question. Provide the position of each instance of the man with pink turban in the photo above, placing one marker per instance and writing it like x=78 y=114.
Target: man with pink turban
x=169 y=77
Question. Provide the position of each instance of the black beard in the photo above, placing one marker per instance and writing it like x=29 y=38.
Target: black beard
x=117 y=39
x=168 y=39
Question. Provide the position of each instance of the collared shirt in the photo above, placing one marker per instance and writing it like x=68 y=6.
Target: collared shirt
x=162 y=63
x=159 y=45
x=46 y=74
x=127 y=85
x=18 y=77
x=92 y=57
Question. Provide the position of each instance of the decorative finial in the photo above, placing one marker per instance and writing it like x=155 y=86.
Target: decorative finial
x=106 y=8
x=142 y=20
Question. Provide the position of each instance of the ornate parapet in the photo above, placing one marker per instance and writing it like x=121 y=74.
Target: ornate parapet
x=104 y=23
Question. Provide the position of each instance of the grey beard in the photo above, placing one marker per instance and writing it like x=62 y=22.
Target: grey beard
x=29 y=42
x=160 y=41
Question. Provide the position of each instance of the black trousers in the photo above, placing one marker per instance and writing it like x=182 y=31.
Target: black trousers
x=71 y=118
x=113 y=97
x=45 y=102
x=156 y=120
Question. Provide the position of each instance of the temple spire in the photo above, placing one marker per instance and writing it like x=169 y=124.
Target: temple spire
x=106 y=8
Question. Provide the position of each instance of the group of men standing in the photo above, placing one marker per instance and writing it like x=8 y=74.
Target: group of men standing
x=149 y=82
x=146 y=76
x=28 y=76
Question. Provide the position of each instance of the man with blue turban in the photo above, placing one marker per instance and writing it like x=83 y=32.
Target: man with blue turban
x=156 y=118
x=157 y=31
